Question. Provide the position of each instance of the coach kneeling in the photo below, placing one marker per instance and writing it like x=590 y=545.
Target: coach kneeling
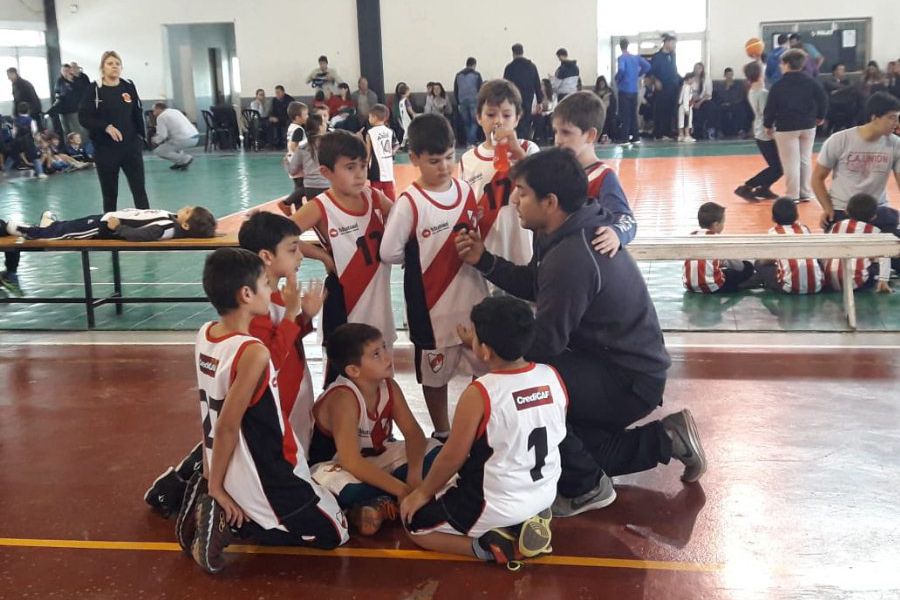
x=595 y=323
x=174 y=134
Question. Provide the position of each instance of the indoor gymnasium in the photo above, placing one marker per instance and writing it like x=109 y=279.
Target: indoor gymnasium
x=395 y=299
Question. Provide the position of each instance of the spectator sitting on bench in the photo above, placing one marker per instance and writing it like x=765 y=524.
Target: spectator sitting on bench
x=130 y=224
x=715 y=276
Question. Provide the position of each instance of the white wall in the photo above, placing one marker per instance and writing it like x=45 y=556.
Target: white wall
x=429 y=41
x=278 y=42
x=26 y=10
x=732 y=22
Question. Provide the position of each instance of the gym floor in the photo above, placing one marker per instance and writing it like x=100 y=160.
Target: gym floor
x=799 y=427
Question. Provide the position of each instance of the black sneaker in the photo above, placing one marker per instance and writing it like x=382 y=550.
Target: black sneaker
x=212 y=536
x=10 y=283
x=765 y=193
x=503 y=545
x=441 y=437
x=191 y=463
x=186 y=523
x=746 y=193
x=165 y=493
x=686 y=445
x=601 y=496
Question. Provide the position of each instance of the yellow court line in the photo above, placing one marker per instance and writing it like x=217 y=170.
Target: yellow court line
x=562 y=561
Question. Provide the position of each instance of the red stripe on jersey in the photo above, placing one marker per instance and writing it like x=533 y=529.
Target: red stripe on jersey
x=446 y=264
x=486 y=398
x=562 y=384
x=363 y=267
x=382 y=421
x=494 y=197
x=322 y=228
x=596 y=174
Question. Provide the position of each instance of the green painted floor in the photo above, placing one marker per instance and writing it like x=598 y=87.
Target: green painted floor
x=230 y=183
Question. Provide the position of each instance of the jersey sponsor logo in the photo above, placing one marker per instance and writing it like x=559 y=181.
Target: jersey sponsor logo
x=435 y=229
x=435 y=361
x=344 y=230
x=333 y=232
x=126 y=97
x=531 y=397
x=208 y=365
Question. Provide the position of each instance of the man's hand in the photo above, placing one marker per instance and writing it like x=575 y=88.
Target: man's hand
x=312 y=298
x=466 y=334
x=827 y=217
x=410 y=505
x=112 y=223
x=469 y=246
x=606 y=242
x=233 y=513
x=114 y=133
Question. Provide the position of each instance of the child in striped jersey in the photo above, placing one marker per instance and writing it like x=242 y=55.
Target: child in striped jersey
x=714 y=276
x=795 y=275
x=862 y=210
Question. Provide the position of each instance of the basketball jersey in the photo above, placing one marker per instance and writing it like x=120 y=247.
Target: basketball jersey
x=514 y=464
x=381 y=167
x=596 y=174
x=267 y=475
x=834 y=268
x=373 y=430
x=704 y=276
x=138 y=218
x=297 y=406
x=440 y=289
x=361 y=292
x=797 y=275
x=498 y=221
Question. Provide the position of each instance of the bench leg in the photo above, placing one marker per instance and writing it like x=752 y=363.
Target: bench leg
x=847 y=286
x=88 y=288
x=117 y=280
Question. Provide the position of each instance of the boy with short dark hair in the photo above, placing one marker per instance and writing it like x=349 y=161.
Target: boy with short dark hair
x=795 y=275
x=486 y=169
x=498 y=508
x=440 y=290
x=297 y=113
x=353 y=451
x=862 y=210
x=381 y=145
x=254 y=477
x=714 y=276
x=577 y=122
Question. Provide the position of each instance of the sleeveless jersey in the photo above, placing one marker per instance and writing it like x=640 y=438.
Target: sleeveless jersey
x=704 y=276
x=145 y=217
x=596 y=174
x=361 y=292
x=797 y=276
x=834 y=269
x=381 y=167
x=268 y=476
x=514 y=464
x=373 y=429
x=498 y=221
x=440 y=289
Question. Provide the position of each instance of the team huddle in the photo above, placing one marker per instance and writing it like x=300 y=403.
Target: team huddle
x=278 y=466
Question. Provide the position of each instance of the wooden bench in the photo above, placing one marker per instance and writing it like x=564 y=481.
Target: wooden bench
x=768 y=247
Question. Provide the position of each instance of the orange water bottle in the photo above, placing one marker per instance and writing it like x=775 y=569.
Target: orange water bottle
x=501 y=156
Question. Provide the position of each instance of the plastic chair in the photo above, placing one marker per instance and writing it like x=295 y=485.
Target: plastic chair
x=251 y=120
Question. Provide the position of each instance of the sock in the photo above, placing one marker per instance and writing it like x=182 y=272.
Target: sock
x=479 y=552
x=441 y=435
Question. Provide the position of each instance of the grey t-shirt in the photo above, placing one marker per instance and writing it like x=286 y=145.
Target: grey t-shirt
x=858 y=166
x=757 y=99
x=312 y=176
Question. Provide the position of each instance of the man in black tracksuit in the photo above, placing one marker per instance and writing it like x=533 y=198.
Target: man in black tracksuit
x=524 y=75
x=596 y=324
x=664 y=67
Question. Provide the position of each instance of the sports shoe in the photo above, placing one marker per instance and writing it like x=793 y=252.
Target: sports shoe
x=166 y=492
x=503 y=546
x=535 y=535
x=745 y=192
x=441 y=437
x=10 y=283
x=369 y=516
x=191 y=463
x=601 y=496
x=686 y=446
x=765 y=193
x=47 y=218
x=12 y=228
x=186 y=523
x=213 y=534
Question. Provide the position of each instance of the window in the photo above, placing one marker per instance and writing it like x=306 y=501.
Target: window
x=27 y=38
x=25 y=50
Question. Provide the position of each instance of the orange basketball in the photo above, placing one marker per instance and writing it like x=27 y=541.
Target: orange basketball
x=754 y=47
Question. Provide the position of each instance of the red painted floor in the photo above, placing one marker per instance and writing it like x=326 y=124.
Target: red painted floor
x=800 y=500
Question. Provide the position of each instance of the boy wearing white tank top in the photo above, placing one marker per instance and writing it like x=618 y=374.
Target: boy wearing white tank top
x=440 y=290
x=488 y=493
x=349 y=220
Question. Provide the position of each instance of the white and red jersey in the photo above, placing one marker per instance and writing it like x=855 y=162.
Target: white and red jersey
x=704 y=276
x=373 y=430
x=514 y=464
x=440 y=289
x=354 y=240
x=797 y=275
x=834 y=269
x=498 y=221
x=596 y=173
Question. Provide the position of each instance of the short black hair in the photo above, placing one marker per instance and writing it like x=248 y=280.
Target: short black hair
x=323 y=58
x=431 y=134
x=340 y=143
x=862 y=207
x=265 y=230
x=518 y=49
x=470 y=62
x=201 y=223
x=554 y=171
x=279 y=87
x=12 y=70
x=836 y=65
x=728 y=70
x=784 y=211
x=795 y=37
x=380 y=111
x=506 y=324
x=782 y=38
x=295 y=109
x=496 y=91
x=752 y=71
x=668 y=37
x=346 y=344
x=880 y=104
x=794 y=58
x=562 y=52
x=582 y=109
x=259 y=90
x=225 y=272
x=23 y=108
x=710 y=213
x=623 y=43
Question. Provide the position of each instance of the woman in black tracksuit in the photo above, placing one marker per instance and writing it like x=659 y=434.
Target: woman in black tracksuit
x=111 y=111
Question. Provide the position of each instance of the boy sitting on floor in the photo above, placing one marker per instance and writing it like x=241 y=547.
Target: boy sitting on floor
x=714 y=276
x=862 y=210
x=795 y=275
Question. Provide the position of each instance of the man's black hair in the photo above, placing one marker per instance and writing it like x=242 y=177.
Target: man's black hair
x=518 y=49
x=347 y=343
x=430 y=134
x=784 y=211
x=506 y=324
x=340 y=143
x=265 y=230
x=880 y=104
x=225 y=272
x=554 y=171
x=470 y=62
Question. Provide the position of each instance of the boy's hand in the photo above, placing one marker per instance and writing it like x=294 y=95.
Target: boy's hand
x=883 y=287
x=112 y=223
x=606 y=242
x=233 y=513
x=827 y=218
x=312 y=298
x=466 y=334
x=410 y=505
x=290 y=293
x=469 y=246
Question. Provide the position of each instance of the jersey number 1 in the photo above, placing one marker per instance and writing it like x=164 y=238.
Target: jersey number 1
x=537 y=439
x=363 y=244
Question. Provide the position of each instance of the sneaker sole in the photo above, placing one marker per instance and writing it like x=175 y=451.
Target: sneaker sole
x=153 y=485
x=536 y=535
x=694 y=438
x=189 y=509
x=200 y=547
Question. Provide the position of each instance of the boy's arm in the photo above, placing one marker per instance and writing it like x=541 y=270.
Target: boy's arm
x=318 y=253
x=384 y=203
x=412 y=434
x=342 y=413
x=397 y=232
x=466 y=423
x=309 y=215
x=612 y=198
x=251 y=375
x=278 y=339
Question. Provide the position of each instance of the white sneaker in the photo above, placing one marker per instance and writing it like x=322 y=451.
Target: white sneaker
x=689 y=140
x=681 y=138
x=47 y=219
x=12 y=228
x=42 y=176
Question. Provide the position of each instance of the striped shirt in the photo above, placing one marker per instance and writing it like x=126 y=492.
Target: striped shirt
x=797 y=275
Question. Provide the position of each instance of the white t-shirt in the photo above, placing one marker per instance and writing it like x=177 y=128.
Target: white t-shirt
x=382 y=165
x=858 y=166
x=171 y=124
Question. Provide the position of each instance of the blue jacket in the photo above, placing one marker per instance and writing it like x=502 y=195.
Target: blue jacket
x=630 y=68
x=664 y=68
x=612 y=198
x=773 y=66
